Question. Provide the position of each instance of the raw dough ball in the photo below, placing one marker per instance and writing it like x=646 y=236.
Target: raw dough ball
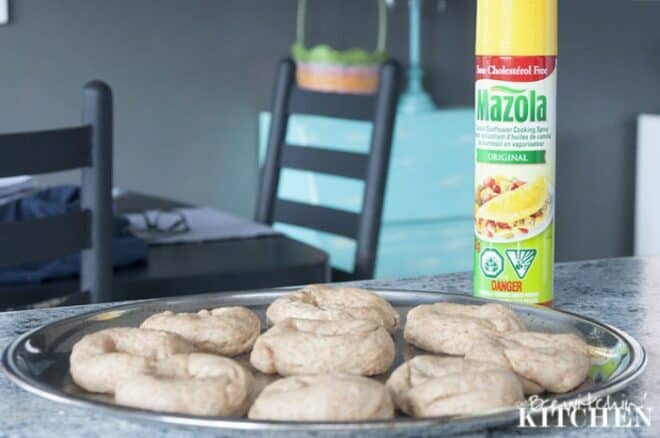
x=421 y=369
x=195 y=384
x=465 y=394
x=335 y=304
x=99 y=360
x=323 y=398
x=305 y=346
x=553 y=362
x=452 y=328
x=430 y=386
x=228 y=331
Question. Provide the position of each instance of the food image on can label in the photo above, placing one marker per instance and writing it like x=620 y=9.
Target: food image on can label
x=508 y=209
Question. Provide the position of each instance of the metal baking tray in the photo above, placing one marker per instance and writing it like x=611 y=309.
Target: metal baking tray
x=38 y=361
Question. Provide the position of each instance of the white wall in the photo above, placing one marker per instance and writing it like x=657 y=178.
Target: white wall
x=647 y=186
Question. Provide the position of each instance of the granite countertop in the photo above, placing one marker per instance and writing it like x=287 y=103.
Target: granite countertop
x=622 y=292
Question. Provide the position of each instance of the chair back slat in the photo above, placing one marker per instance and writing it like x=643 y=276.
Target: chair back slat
x=45 y=151
x=340 y=106
x=313 y=159
x=372 y=167
x=325 y=219
x=43 y=239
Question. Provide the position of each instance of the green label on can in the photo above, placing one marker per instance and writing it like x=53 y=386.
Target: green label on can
x=519 y=272
x=508 y=156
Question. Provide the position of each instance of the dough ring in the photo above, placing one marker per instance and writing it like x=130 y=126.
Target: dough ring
x=228 y=331
x=422 y=369
x=452 y=328
x=323 y=398
x=545 y=361
x=194 y=384
x=334 y=304
x=99 y=360
x=304 y=346
x=465 y=394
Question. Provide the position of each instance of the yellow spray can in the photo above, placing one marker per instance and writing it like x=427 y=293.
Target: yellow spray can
x=515 y=142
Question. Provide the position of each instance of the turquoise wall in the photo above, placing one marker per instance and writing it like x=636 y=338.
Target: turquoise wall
x=427 y=220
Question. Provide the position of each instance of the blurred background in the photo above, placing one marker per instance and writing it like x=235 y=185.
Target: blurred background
x=190 y=78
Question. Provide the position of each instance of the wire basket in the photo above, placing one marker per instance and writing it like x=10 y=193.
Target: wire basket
x=326 y=69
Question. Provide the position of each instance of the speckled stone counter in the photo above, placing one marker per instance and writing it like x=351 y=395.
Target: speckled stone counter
x=622 y=292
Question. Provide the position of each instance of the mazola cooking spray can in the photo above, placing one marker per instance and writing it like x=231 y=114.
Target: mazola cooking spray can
x=515 y=142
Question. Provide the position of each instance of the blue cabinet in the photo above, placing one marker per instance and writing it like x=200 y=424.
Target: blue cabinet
x=427 y=223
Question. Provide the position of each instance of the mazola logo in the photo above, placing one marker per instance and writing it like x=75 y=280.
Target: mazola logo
x=506 y=104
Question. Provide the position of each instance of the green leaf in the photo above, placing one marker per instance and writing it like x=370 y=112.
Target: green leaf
x=324 y=54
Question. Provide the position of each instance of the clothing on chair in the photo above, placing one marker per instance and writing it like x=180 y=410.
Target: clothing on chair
x=126 y=248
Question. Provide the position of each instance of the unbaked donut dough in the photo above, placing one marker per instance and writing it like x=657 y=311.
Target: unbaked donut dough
x=334 y=303
x=429 y=386
x=305 y=346
x=421 y=369
x=465 y=394
x=323 y=398
x=99 y=360
x=452 y=328
x=195 y=384
x=228 y=331
x=553 y=362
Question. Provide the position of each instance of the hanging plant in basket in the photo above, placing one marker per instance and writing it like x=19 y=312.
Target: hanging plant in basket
x=324 y=68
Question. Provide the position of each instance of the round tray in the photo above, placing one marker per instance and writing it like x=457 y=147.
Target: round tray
x=38 y=361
